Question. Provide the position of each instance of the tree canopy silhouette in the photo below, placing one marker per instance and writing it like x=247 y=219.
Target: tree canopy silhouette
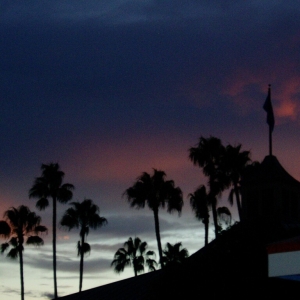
x=134 y=253
x=174 y=254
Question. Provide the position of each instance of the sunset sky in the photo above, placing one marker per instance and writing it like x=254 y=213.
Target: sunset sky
x=111 y=89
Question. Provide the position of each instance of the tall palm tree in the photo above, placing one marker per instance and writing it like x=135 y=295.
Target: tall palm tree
x=50 y=185
x=208 y=155
x=23 y=225
x=234 y=163
x=174 y=254
x=134 y=254
x=157 y=193
x=84 y=215
x=200 y=202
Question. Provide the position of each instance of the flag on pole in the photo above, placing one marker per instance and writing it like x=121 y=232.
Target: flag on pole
x=269 y=109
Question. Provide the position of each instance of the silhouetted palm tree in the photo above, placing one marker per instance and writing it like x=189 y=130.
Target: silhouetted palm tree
x=23 y=224
x=200 y=202
x=157 y=193
x=208 y=155
x=50 y=185
x=174 y=254
x=84 y=215
x=234 y=163
x=134 y=254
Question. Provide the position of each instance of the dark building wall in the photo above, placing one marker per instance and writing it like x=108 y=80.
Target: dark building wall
x=269 y=192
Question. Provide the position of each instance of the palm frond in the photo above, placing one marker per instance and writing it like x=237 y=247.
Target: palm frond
x=35 y=240
x=200 y=202
x=86 y=248
x=39 y=189
x=42 y=203
x=121 y=260
x=5 y=229
x=65 y=193
x=13 y=253
x=40 y=229
x=70 y=218
x=4 y=247
x=14 y=241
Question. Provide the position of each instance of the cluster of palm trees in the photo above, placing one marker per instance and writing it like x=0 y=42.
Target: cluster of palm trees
x=134 y=254
x=222 y=165
x=21 y=223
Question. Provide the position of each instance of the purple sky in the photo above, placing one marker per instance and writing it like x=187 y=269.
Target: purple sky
x=114 y=89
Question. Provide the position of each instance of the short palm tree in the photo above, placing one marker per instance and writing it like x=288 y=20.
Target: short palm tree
x=174 y=254
x=234 y=163
x=208 y=154
x=200 y=202
x=50 y=185
x=157 y=192
x=84 y=215
x=21 y=224
x=134 y=254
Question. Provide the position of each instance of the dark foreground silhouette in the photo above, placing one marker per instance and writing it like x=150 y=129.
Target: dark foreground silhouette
x=234 y=266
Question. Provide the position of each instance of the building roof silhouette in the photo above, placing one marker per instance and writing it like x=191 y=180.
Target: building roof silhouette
x=234 y=265
x=270 y=171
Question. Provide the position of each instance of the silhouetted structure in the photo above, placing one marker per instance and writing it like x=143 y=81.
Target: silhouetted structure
x=271 y=195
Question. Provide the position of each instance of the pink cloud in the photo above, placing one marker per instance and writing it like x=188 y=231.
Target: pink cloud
x=288 y=96
x=285 y=91
x=122 y=161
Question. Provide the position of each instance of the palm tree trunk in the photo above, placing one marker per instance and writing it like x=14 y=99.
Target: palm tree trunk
x=81 y=263
x=157 y=232
x=54 y=246
x=238 y=201
x=134 y=269
x=206 y=224
x=21 y=271
x=215 y=215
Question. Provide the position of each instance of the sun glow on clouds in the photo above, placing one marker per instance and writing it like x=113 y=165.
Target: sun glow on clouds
x=101 y=161
x=285 y=94
x=288 y=94
x=64 y=237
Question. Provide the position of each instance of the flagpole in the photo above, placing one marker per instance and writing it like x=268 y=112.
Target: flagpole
x=270 y=141
x=270 y=129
